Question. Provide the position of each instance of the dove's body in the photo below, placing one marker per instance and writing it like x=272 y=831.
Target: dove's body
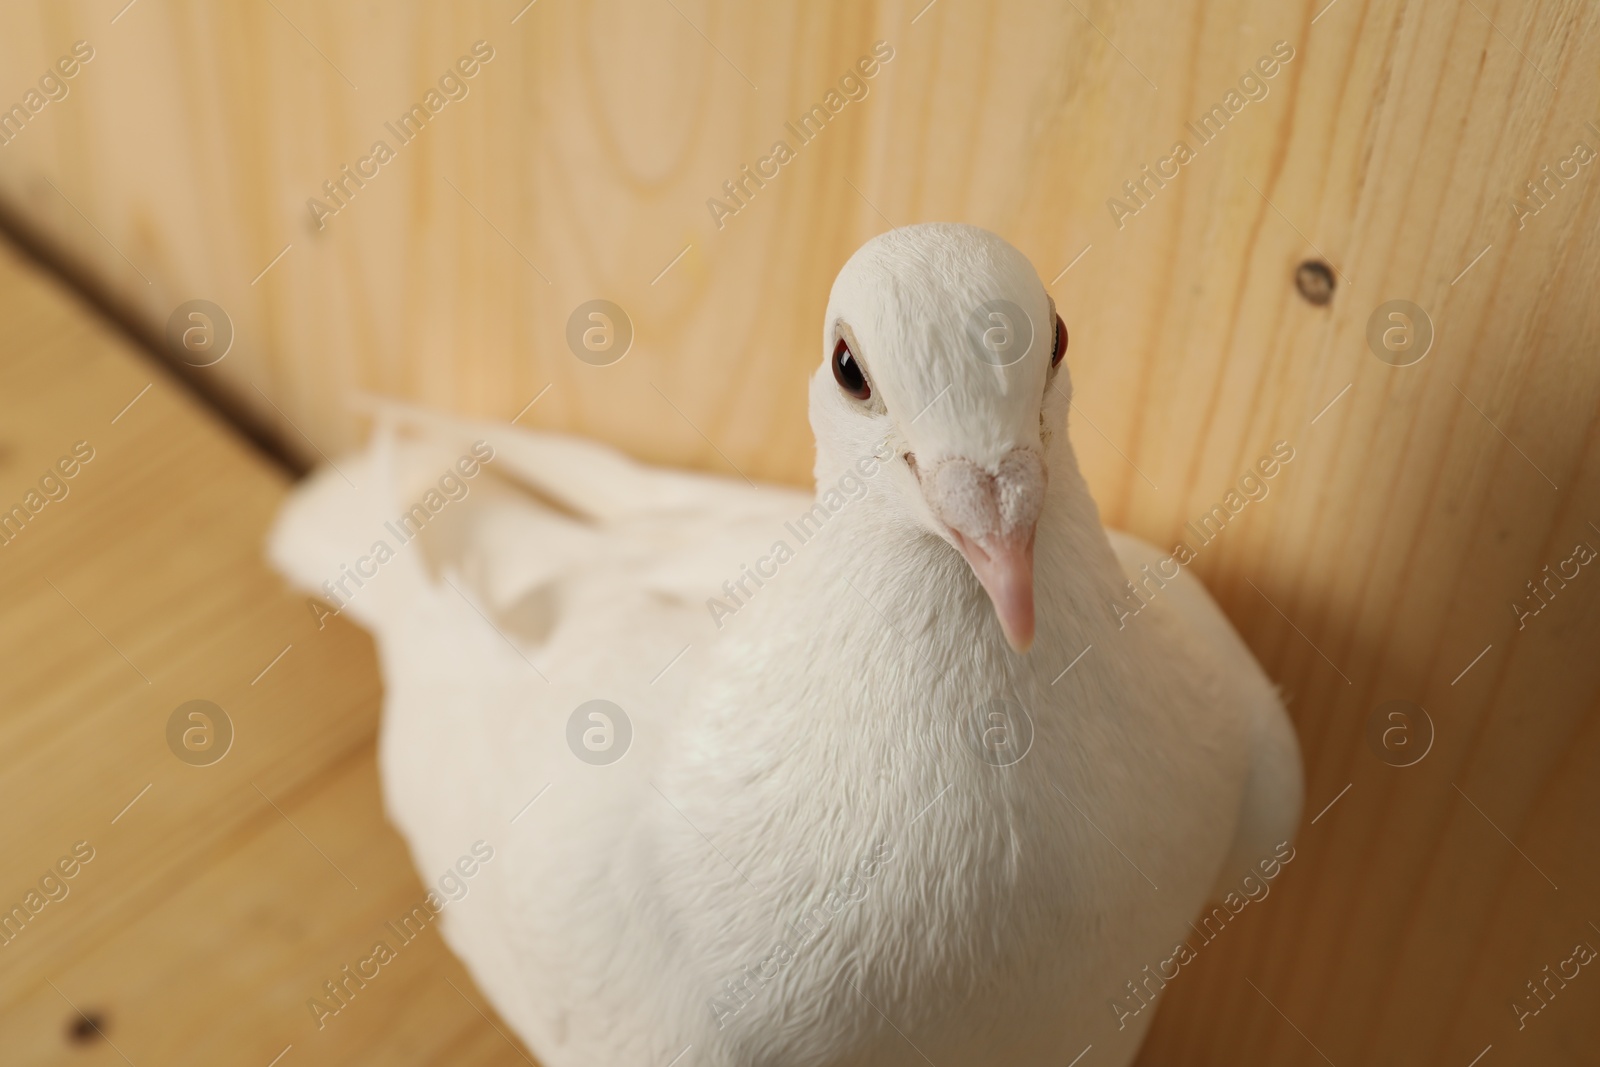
x=808 y=855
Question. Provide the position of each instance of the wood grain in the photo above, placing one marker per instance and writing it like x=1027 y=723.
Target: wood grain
x=206 y=918
x=1386 y=558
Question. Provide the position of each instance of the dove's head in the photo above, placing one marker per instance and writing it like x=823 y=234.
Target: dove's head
x=942 y=352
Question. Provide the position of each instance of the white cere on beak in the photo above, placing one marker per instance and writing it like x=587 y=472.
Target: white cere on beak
x=992 y=517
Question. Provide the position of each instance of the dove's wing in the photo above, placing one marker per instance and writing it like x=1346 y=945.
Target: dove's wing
x=559 y=573
x=553 y=508
x=1270 y=809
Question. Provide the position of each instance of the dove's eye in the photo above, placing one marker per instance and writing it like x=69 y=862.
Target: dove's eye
x=847 y=372
x=1060 y=348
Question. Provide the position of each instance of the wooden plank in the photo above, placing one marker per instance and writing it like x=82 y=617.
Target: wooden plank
x=216 y=901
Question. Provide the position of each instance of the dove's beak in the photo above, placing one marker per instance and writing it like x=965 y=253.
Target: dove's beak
x=991 y=519
x=1004 y=566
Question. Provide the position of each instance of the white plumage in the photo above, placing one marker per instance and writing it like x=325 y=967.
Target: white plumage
x=819 y=848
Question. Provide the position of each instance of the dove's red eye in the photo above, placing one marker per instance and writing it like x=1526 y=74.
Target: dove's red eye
x=1061 y=342
x=847 y=372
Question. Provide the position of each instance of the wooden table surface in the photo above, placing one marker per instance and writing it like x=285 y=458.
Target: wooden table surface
x=218 y=898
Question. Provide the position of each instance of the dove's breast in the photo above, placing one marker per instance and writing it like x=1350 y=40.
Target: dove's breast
x=855 y=867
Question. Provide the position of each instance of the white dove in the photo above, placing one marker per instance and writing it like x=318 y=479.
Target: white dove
x=883 y=778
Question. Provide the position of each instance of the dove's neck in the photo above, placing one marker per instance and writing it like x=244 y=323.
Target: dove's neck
x=878 y=627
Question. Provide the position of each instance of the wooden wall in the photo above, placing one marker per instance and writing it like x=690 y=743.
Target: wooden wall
x=1390 y=552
